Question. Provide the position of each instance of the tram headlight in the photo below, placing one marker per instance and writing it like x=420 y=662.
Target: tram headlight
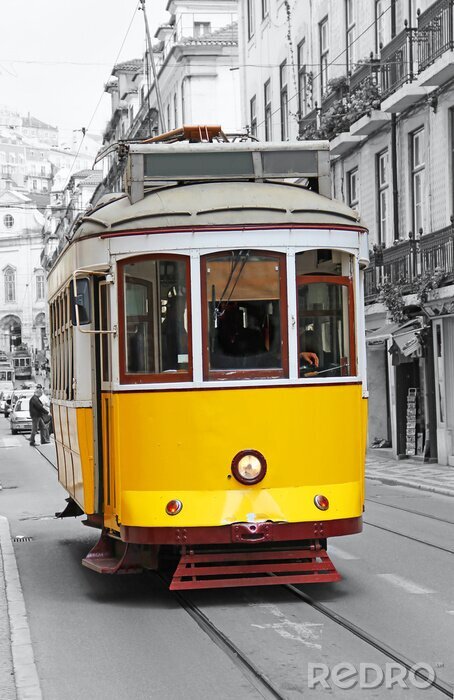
x=249 y=467
x=321 y=502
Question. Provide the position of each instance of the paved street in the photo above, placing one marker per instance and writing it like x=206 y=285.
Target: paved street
x=133 y=639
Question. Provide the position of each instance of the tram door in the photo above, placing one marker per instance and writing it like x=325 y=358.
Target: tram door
x=105 y=402
x=325 y=326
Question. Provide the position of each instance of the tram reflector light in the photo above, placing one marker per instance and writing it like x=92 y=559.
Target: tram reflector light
x=174 y=507
x=321 y=502
x=249 y=467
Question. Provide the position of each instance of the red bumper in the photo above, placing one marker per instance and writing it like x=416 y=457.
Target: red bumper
x=242 y=533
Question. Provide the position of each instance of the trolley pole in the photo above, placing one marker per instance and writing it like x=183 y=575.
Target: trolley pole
x=153 y=66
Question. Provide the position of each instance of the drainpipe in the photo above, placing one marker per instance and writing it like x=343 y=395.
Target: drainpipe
x=394 y=175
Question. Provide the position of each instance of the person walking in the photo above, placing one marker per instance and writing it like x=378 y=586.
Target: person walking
x=39 y=415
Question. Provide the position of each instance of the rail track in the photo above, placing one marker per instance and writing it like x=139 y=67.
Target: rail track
x=260 y=681
x=409 y=537
x=413 y=512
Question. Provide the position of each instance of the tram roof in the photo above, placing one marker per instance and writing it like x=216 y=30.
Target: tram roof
x=203 y=204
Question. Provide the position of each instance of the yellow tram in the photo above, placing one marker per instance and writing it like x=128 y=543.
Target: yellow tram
x=208 y=363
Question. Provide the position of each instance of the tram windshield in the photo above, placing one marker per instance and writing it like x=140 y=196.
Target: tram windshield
x=156 y=316
x=244 y=311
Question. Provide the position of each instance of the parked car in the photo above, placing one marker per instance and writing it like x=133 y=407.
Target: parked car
x=15 y=396
x=5 y=396
x=20 y=418
x=6 y=403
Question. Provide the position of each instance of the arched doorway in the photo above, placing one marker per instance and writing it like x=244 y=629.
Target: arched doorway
x=10 y=333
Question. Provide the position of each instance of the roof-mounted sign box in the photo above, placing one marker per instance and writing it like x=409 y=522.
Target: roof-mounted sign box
x=151 y=165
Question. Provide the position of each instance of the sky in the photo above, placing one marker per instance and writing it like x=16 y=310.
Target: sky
x=57 y=55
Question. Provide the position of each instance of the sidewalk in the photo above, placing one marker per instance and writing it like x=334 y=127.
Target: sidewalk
x=381 y=466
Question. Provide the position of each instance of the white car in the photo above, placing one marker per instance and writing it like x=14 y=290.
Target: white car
x=20 y=418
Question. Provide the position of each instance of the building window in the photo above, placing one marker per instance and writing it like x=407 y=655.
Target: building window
x=353 y=188
x=284 y=100
x=379 y=25
x=265 y=8
x=303 y=101
x=393 y=17
x=40 y=293
x=417 y=178
x=350 y=35
x=250 y=18
x=8 y=221
x=382 y=196
x=267 y=102
x=201 y=28
x=324 y=52
x=168 y=125
x=10 y=284
x=253 y=115
x=175 y=110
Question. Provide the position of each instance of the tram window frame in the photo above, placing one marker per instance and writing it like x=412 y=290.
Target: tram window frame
x=236 y=373
x=166 y=376
x=343 y=281
x=62 y=346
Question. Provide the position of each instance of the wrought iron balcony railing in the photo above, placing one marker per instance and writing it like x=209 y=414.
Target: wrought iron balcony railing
x=435 y=33
x=396 y=63
x=437 y=252
x=409 y=261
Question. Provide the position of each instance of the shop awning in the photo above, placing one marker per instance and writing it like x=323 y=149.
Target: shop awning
x=383 y=333
x=404 y=336
x=406 y=339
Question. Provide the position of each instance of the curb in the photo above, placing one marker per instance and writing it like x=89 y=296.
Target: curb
x=412 y=484
x=25 y=672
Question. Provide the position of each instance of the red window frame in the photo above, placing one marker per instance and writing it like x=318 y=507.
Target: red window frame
x=343 y=282
x=281 y=372
x=161 y=377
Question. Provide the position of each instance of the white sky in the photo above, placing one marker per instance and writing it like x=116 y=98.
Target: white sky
x=56 y=55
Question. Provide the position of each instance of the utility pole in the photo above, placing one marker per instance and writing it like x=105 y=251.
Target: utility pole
x=155 y=75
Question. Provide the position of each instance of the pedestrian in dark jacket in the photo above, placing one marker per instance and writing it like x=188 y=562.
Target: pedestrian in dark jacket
x=39 y=416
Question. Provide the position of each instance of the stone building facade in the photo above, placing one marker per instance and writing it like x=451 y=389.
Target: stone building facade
x=196 y=58
x=376 y=78
x=22 y=278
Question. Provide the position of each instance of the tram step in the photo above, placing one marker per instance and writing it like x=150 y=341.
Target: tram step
x=259 y=568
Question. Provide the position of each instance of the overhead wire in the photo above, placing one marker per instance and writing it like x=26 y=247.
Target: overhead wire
x=86 y=129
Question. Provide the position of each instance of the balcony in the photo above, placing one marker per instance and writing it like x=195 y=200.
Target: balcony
x=308 y=126
x=399 y=263
x=397 y=74
x=396 y=264
x=343 y=143
x=371 y=282
x=411 y=262
x=437 y=252
x=435 y=38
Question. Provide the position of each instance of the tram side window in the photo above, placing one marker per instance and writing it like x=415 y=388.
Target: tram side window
x=62 y=348
x=244 y=310
x=156 y=337
x=325 y=328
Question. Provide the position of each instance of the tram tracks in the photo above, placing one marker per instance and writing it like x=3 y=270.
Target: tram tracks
x=261 y=682
x=442 y=686
x=409 y=537
x=409 y=510
x=255 y=676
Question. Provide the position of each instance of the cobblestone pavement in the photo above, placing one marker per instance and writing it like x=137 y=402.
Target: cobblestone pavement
x=381 y=466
